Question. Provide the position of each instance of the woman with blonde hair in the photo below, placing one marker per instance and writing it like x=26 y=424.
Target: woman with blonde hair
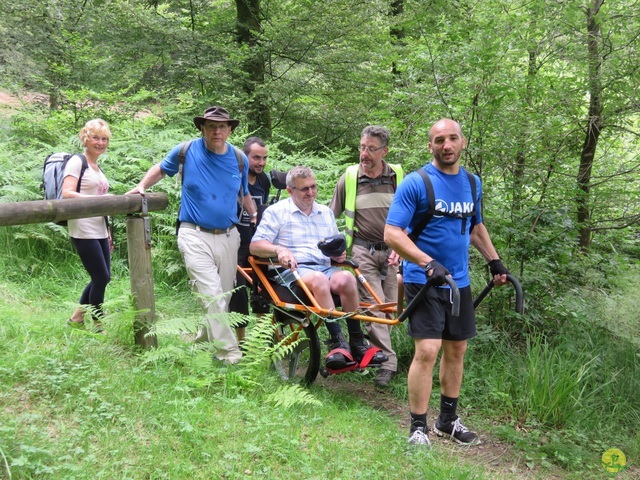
x=90 y=236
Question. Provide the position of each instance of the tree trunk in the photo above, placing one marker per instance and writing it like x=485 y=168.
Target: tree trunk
x=594 y=127
x=397 y=33
x=249 y=23
x=521 y=158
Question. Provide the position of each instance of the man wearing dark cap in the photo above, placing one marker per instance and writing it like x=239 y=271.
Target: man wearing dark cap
x=213 y=174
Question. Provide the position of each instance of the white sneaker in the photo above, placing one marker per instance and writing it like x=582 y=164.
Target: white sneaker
x=418 y=437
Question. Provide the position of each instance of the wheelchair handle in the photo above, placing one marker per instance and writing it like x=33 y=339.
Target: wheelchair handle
x=455 y=298
x=519 y=307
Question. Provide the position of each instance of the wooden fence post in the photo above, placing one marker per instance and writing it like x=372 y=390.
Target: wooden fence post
x=141 y=274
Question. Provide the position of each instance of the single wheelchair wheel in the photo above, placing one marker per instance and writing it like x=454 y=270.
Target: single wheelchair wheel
x=298 y=337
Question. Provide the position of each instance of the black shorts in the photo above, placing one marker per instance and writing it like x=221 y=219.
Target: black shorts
x=432 y=317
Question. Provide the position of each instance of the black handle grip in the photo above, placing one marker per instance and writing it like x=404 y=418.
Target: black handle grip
x=455 y=298
x=519 y=307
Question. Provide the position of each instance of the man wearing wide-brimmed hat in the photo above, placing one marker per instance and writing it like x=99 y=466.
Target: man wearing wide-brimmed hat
x=213 y=173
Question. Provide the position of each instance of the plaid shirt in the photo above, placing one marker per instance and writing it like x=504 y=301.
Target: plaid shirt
x=286 y=225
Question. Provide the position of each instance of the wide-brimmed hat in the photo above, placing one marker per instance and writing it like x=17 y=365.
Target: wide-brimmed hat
x=216 y=114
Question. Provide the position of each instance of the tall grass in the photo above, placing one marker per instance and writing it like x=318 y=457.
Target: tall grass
x=551 y=383
x=79 y=405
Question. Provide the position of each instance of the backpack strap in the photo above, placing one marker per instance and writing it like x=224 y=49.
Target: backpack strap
x=415 y=233
x=239 y=158
x=85 y=165
x=184 y=148
x=182 y=154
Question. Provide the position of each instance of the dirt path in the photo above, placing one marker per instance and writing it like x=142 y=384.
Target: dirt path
x=10 y=104
x=498 y=458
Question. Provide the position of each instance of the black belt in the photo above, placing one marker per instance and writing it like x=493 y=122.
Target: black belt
x=370 y=245
x=215 y=231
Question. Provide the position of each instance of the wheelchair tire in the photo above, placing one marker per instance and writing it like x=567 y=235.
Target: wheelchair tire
x=302 y=363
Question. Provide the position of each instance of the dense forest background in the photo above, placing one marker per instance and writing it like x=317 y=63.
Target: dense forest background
x=547 y=93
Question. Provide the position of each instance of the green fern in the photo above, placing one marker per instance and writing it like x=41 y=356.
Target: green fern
x=289 y=395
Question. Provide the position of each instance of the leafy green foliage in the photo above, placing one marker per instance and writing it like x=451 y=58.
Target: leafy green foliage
x=515 y=74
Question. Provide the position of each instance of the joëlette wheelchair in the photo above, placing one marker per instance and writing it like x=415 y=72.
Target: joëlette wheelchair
x=298 y=317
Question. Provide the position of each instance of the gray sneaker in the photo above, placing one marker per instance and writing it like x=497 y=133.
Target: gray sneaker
x=457 y=432
x=419 y=437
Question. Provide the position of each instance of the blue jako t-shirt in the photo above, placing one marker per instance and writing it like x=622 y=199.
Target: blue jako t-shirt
x=442 y=238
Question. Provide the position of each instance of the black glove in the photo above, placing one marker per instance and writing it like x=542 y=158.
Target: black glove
x=497 y=268
x=435 y=273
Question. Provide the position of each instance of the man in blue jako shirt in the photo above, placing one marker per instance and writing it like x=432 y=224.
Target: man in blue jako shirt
x=441 y=248
x=213 y=175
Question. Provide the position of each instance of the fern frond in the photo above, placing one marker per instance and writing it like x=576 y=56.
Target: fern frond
x=169 y=353
x=176 y=326
x=289 y=395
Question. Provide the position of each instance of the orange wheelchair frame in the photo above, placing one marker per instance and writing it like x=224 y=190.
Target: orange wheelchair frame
x=294 y=319
x=295 y=327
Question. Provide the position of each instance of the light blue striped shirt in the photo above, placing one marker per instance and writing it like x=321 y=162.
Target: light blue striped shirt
x=286 y=225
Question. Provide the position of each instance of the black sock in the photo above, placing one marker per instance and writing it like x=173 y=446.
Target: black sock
x=448 y=408
x=334 y=328
x=418 y=420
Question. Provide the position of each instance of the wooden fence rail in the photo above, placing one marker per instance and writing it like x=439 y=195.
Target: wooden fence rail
x=138 y=239
x=38 y=211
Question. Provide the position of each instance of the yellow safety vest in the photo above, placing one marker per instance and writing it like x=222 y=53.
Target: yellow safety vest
x=351 y=189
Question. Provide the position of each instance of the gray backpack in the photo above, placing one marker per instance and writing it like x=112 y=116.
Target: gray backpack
x=53 y=174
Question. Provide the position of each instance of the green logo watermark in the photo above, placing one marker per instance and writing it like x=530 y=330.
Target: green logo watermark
x=614 y=461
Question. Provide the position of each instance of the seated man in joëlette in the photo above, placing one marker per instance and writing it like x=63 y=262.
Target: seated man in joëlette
x=290 y=230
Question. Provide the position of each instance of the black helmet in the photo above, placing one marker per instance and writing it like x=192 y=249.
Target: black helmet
x=333 y=246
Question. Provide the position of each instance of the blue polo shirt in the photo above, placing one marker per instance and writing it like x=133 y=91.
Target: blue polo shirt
x=210 y=185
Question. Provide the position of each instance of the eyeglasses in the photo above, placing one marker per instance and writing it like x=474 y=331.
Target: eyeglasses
x=312 y=188
x=215 y=126
x=362 y=148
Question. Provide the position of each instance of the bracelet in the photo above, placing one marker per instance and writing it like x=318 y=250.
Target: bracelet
x=254 y=215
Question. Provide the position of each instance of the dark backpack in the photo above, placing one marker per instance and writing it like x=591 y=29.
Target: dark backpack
x=415 y=233
x=53 y=174
x=182 y=155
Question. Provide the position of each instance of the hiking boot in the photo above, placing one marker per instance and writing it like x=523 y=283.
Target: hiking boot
x=419 y=437
x=337 y=360
x=384 y=377
x=456 y=431
x=359 y=347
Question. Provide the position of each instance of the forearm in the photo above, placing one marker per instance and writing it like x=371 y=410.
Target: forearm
x=399 y=241
x=153 y=176
x=249 y=206
x=481 y=240
x=265 y=249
